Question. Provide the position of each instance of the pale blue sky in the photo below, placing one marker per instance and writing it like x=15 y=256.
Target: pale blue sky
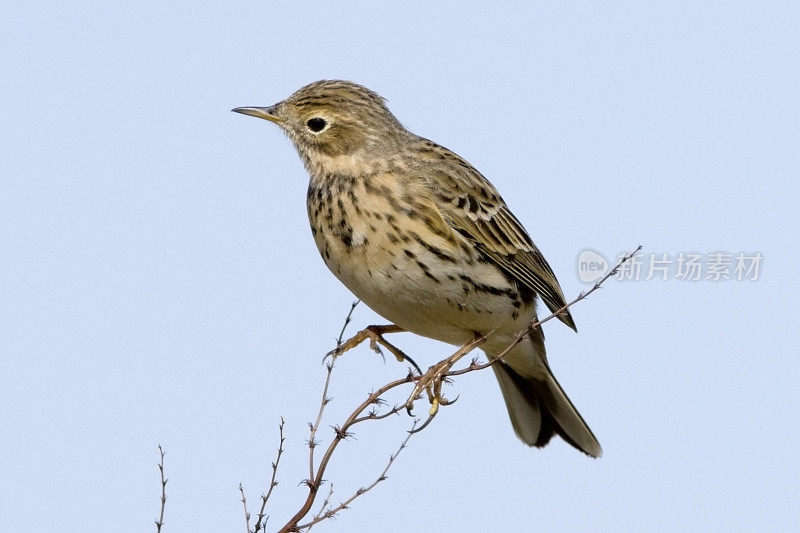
x=159 y=283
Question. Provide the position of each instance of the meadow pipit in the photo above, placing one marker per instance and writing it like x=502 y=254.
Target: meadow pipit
x=428 y=243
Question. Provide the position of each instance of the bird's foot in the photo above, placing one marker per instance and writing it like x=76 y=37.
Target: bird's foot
x=375 y=335
x=431 y=382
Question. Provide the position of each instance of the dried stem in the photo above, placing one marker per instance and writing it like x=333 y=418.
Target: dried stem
x=246 y=512
x=160 y=521
x=261 y=522
x=312 y=442
x=318 y=517
x=537 y=323
x=330 y=513
x=341 y=433
x=347 y=321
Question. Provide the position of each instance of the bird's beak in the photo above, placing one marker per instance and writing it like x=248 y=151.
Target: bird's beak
x=267 y=113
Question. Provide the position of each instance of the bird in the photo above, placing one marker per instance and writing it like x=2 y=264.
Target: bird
x=427 y=242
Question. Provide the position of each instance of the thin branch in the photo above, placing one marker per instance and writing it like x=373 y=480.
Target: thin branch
x=325 y=503
x=537 y=323
x=347 y=321
x=261 y=522
x=341 y=433
x=160 y=521
x=246 y=512
x=330 y=513
x=312 y=442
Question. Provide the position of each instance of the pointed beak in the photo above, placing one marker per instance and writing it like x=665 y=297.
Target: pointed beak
x=267 y=113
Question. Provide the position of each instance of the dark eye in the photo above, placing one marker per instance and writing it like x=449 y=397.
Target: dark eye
x=316 y=124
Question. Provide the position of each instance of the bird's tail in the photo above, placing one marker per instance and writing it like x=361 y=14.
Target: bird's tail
x=539 y=409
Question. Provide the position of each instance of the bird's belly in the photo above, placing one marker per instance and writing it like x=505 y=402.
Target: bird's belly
x=445 y=299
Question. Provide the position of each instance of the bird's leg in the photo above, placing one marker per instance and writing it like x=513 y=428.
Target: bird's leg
x=431 y=381
x=375 y=335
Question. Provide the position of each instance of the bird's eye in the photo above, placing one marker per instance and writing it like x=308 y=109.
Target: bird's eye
x=316 y=124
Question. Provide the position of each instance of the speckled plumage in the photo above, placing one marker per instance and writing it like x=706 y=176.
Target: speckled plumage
x=427 y=242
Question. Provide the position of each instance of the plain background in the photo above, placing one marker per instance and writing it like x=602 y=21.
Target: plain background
x=159 y=284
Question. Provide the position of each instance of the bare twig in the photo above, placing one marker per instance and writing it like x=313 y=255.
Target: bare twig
x=246 y=512
x=312 y=442
x=322 y=508
x=537 y=323
x=261 y=521
x=330 y=513
x=341 y=433
x=160 y=521
x=347 y=321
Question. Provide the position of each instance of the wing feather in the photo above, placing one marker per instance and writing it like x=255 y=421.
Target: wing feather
x=473 y=207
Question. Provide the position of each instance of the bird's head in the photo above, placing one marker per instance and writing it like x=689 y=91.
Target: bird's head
x=333 y=118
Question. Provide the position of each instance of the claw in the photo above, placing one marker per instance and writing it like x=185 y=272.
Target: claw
x=336 y=352
x=374 y=345
x=399 y=354
x=423 y=426
x=445 y=401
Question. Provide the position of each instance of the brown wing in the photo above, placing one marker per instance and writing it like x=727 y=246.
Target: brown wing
x=474 y=208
